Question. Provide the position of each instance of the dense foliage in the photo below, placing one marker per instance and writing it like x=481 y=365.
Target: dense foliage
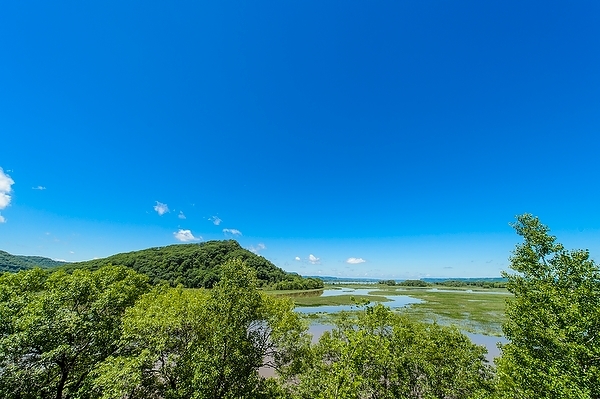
x=191 y=265
x=553 y=322
x=56 y=327
x=384 y=355
x=296 y=282
x=181 y=343
x=106 y=334
x=103 y=334
x=14 y=263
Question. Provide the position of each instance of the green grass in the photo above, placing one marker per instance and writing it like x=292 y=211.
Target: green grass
x=475 y=312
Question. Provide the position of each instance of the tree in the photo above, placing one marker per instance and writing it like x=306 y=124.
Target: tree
x=196 y=343
x=553 y=322
x=159 y=334
x=385 y=355
x=57 y=327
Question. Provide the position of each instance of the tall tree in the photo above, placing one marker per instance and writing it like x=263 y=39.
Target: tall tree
x=553 y=322
x=384 y=356
x=56 y=328
x=196 y=343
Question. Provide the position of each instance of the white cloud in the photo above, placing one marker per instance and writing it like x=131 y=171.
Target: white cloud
x=161 y=208
x=185 y=236
x=215 y=219
x=38 y=188
x=313 y=259
x=181 y=215
x=355 y=261
x=234 y=232
x=258 y=248
x=5 y=189
x=71 y=252
x=297 y=258
x=5 y=182
x=4 y=200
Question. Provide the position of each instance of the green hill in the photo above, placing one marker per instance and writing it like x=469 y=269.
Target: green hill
x=193 y=265
x=14 y=263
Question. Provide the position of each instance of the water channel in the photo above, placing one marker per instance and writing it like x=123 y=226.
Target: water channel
x=395 y=301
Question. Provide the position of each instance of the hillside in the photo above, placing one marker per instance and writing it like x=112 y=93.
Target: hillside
x=192 y=265
x=14 y=263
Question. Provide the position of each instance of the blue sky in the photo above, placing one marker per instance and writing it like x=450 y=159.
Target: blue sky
x=387 y=139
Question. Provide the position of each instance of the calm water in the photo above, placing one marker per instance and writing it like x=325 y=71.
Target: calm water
x=396 y=301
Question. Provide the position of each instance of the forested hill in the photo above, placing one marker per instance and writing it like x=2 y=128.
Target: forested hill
x=192 y=265
x=14 y=263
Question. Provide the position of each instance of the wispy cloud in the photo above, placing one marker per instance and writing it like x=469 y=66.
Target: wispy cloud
x=257 y=248
x=355 y=261
x=6 y=183
x=313 y=259
x=181 y=215
x=297 y=258
x=185 y=236
x=234 y=232
x=215 y=219
x=38 y=188
x=161 y=208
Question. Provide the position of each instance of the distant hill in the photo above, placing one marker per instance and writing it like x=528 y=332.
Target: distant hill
x=192 y=265
x=14 y=263
x=465 y=279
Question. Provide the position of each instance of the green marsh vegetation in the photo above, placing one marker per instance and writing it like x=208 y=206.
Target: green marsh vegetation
x=474 y=311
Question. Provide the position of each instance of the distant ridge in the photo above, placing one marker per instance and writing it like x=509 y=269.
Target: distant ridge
x=427 y=279
x=466 y=279
x=15 y=263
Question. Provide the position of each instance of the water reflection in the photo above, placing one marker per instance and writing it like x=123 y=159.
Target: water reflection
x=491 y=344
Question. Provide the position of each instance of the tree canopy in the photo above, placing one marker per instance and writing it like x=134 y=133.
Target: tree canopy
x=182 y=343
x=553 y=322
x=55 y=328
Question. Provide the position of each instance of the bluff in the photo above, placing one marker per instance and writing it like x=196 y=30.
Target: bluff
x=192 y=265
